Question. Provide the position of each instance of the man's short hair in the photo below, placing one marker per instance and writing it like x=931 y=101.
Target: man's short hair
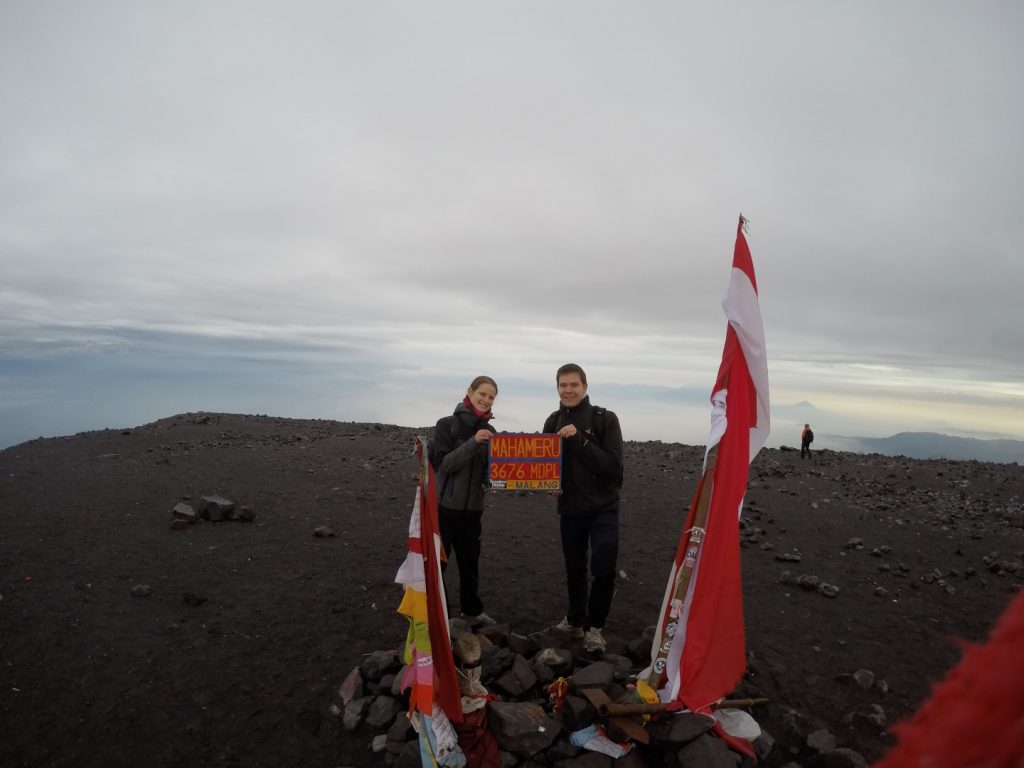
x=571 y=368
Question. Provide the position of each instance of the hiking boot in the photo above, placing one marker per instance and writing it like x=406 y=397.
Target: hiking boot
x=480 y=620
x=594 y=641
x=566 y=628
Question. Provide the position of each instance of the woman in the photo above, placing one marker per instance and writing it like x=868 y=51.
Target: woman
x=460 y=456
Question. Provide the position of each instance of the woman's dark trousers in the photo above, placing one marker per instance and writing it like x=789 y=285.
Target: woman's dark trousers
x=460 y=532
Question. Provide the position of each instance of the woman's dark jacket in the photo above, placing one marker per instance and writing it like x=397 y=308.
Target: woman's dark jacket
x=461 y=465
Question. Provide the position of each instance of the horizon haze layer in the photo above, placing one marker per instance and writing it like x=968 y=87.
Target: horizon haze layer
x=914 y=445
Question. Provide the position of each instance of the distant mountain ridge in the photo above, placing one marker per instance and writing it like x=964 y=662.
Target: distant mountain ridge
x=929 y=445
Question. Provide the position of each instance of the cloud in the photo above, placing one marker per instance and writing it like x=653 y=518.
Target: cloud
x=427 y=191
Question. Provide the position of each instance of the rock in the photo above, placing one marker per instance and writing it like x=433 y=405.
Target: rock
x=183 y=511
x=378 y=664
x=821 y=740
x=396 y=683
x=382 y=711
x=178 y=524
x=521 y=644
x=142 y=590
x=351 y=687
x=793 y=728
x=323 y=531
x=521 y=728
x=871 y=714
x=633 y=759
x=597 y=675
x=409 y=757
x=246 y=514
x=355 y=711
x=544 y=640
x=678 y=729
x=458 y=627
x=379 y=743
x=864 y=678
x=519 y=679
x=544 y=673
x=841 y=758
x=496 y=633
x=495 y=662
x=216 y=508
x=622 y=666
x=577 y=713
x=640 y=649
x=707 y=752
x=808 y=582
x=401 y=729
x=587 y=760
x=562 y=749
x=763 y=745
x=558 y=659
x=386 y=684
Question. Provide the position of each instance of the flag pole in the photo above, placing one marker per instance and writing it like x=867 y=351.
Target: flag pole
x=658 y=675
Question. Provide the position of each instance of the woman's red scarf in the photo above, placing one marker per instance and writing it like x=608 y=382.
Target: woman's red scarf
x=485 y=416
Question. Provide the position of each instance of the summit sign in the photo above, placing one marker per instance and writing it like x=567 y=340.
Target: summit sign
x=525 y=462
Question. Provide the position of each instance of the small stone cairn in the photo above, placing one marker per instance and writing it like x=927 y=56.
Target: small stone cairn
x=530 y=730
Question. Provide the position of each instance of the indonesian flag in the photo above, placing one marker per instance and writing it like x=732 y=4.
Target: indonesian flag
x=428 y=653
x=699 y=650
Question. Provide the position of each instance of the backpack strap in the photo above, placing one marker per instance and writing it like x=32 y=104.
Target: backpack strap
x=597 y=423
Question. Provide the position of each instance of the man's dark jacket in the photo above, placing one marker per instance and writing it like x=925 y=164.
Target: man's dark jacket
x=591 y=460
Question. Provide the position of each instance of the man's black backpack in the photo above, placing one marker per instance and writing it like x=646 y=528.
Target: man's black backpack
x=597 y=424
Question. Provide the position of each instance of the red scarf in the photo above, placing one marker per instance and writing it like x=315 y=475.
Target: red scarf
x=485 y=416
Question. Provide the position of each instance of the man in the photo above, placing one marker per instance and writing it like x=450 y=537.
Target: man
x=806 y=438
x=588 y=504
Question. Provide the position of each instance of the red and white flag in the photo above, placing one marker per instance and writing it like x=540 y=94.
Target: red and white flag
x=430 y=670
x=699 y=650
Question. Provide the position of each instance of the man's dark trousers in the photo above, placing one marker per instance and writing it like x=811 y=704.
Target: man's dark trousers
x=599 y=532
x=460 y=531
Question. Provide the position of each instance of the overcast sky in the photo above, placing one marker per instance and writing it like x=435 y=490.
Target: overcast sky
x=347 y=210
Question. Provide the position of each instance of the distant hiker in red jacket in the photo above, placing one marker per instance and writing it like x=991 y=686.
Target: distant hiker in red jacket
x=806 y=438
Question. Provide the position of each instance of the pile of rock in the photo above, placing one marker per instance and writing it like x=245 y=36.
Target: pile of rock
x=211 y=508
x=529 y=729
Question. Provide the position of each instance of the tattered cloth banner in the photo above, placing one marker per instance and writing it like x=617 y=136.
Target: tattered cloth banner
x=699 y=650
x=435 y=700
